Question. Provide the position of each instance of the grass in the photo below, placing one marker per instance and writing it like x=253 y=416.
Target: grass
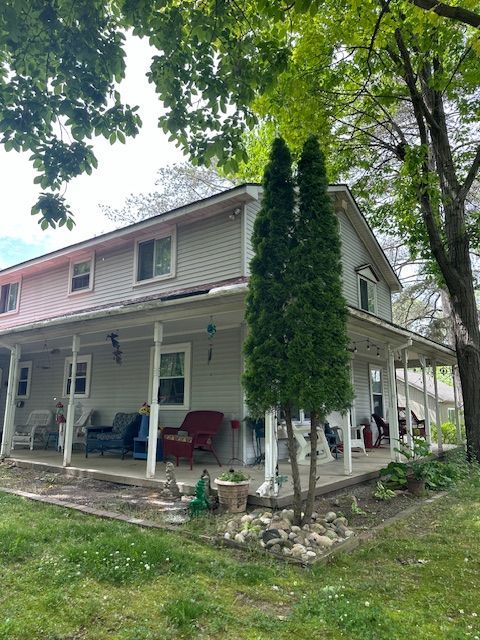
x=70 y=576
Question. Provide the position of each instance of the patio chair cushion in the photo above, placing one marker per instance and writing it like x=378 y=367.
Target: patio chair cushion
x=119 y=436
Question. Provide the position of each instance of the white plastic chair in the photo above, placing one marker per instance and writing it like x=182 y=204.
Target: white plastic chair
x=34 y=429
x=79 y=429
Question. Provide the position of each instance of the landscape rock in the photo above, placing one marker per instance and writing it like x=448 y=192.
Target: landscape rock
x=324 y=541
x=246 y=518
x=318 y=528
x=298 y=550
x=330 y=516
x=239 y=537
x=340 y=520
x=329 y=533
x=288 y=514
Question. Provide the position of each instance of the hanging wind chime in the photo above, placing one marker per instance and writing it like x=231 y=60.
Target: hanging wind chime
x=211 y=331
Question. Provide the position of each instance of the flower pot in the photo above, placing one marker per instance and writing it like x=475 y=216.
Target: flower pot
x=416 y=486
x=233 y=495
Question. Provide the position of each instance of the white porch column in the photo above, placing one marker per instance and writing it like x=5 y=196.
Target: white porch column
x=393 y=412
x=455 y=400
x=68 y=438
x=153 y=424
x=270 y=484
x=242 y=454
x=9 y=417
x=351 y=419
x=438 y=417
x=408 y=415
x=426 y=411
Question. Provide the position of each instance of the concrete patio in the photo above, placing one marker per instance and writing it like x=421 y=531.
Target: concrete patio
x=132 y=472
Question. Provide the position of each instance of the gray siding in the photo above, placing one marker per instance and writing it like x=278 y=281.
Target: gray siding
x=208 y=250
x=361 y=377
x=355 y=254
x=116 y=388
x=251 y=210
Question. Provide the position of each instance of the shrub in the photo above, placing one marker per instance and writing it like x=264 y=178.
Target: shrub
x=449 y=433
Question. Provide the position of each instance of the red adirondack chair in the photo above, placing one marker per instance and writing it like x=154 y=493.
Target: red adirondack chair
x=200 y=427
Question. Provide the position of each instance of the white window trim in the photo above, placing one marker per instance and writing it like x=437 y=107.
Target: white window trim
x=17 y=308
x=24 y=365
x=171 y=233
x=379 y=368
x=91 y=259
x=186 y=347
x=68 y=362
x=375 y=301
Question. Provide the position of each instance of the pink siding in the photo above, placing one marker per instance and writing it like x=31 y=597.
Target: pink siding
x=208 y=251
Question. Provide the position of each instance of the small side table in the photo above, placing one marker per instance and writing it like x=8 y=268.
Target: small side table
x=140 y=448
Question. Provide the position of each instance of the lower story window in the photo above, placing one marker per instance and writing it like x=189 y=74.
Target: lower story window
x=24 y=379
x=174 y=383
x=82 y=378
x=376 y=389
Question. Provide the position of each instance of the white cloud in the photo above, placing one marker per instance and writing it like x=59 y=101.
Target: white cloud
x=123 y=169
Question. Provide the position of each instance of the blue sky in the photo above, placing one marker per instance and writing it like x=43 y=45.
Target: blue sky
x=123 y=169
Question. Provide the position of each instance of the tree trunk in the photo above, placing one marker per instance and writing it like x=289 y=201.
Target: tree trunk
x=312 y=478
x=467 y=343
x=292 y=454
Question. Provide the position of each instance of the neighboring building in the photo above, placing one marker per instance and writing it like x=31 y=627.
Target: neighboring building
x=186 y=269
x=446 y=396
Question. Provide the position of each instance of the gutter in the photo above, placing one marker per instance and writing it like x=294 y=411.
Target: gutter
x=227 y=291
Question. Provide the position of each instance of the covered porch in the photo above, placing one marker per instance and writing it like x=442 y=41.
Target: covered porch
x=42 y=358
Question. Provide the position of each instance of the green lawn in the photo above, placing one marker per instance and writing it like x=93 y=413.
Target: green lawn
x=67 y=575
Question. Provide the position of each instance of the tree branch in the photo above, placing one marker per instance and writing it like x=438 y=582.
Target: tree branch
x=447 y=11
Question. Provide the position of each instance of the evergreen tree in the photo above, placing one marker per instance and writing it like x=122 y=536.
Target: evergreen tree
x=265 y=346
x=317 y=353
x=266 y=368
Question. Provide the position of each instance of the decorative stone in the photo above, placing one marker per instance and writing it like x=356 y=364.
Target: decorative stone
x=311 y=555
x=246 y=518
x=341 y=520
x=288 y=514
x=265 y=521
x=306 y=527
x=292 y=535
x=283 y=534
x=276 y=548
x=280 y=524
x=318 y=528
x=329 y=533
x=295 y=528
x=298 y=550
x=349 y=533
x=271 y=534
x=239 y=537
x=324 y=541
x=287 y=551
x=227 y=535
x=330 y=516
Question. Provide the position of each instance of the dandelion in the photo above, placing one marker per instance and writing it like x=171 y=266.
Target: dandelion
x=167 y=559
x=461 y=611
x=115 y=567
x=474 y=615
x=367 y=603
x=275 y=588
x=147 y=567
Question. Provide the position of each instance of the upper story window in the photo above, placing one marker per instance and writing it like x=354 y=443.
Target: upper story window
x=9 y=296
x=156 y=258
x=367 y=288
x=81 y=275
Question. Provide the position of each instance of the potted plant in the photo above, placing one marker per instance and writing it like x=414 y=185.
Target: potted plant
x=232 y=487
x=416 y=468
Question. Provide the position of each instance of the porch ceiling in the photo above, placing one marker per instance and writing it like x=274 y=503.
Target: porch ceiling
x=178 y=319
x=379 y=332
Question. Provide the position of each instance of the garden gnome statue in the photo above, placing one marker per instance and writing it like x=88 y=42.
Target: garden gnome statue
x=206 y=483
x=171 y=486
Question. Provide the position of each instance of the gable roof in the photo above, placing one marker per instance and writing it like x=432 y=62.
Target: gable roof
x=445 y=391
x=230 y=197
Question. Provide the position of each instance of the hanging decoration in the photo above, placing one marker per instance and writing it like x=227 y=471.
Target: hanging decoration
x=117 y=353
x=59 y=415
x=211 y=331
x=44 y=360
x=369 y=345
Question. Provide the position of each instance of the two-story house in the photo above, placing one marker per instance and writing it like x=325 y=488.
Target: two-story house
x=159 y=285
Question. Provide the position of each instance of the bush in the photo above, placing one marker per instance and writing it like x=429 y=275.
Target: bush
x=449 y=433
